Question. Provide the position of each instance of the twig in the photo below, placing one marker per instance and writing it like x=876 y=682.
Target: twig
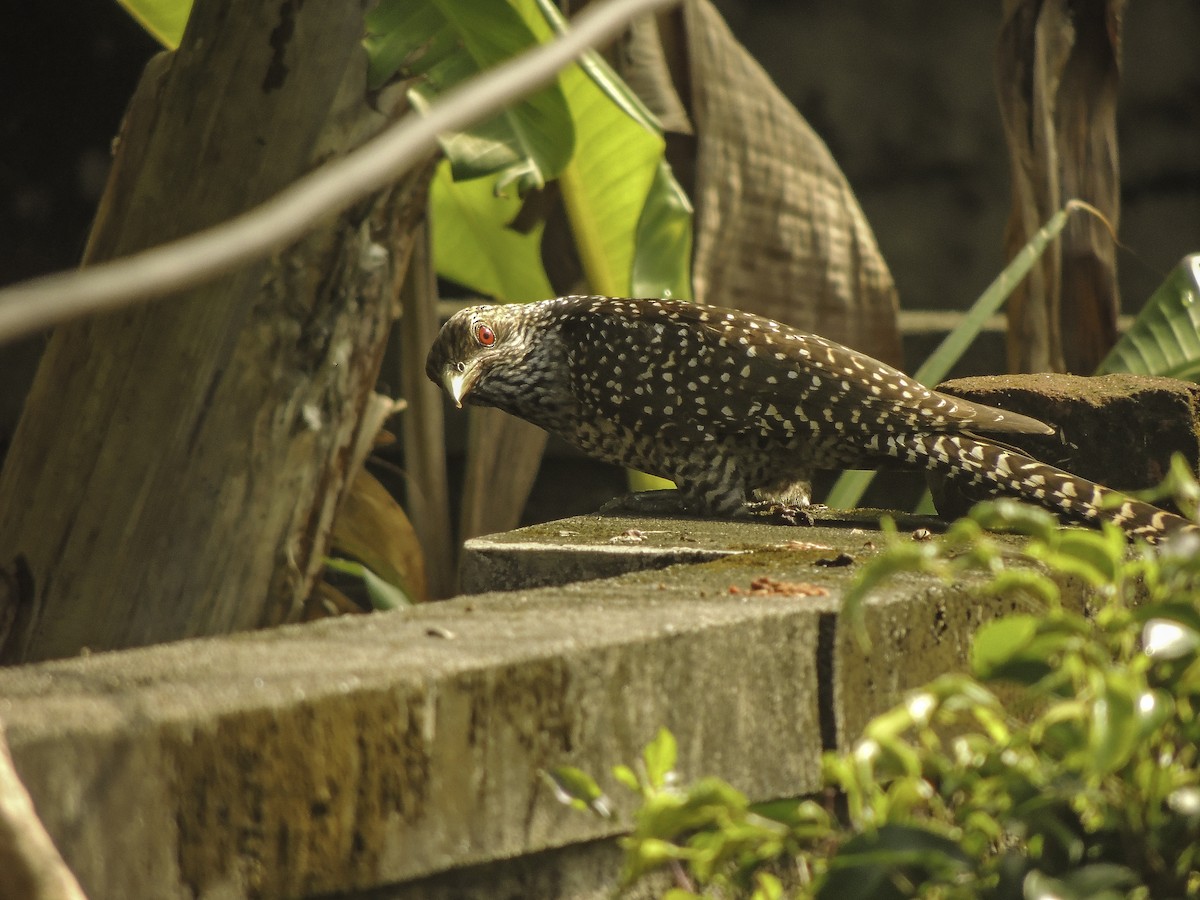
x=30 y=866
x=32 y=305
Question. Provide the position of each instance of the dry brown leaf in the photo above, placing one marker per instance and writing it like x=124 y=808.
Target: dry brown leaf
x=778 y=229
x=766 y=585
x=646 y=66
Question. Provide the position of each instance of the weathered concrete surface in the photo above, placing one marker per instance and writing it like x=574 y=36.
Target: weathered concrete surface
x=603 y=545
x=363 y=751
x=585 y=871
x=358 y=754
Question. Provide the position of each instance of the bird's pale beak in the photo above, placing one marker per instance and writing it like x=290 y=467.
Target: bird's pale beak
x=458 y=384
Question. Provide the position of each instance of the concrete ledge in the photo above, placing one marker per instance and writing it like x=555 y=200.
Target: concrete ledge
x=604 y=545
x=362 y=753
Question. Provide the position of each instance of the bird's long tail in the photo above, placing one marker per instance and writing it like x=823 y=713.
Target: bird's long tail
x=1001 y=470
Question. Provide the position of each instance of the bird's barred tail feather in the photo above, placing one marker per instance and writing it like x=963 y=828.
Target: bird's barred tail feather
x=1002 y=470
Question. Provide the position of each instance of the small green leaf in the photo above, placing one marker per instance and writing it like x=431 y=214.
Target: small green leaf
x=1007 y=514
x=1028 y=581
x=164 y=19
x=627 y=777
x=655 y=851
x=578 y=789
x=1152 y=711
x=767 y=887
x=1091 y=555
x=382 y=594
x=999 y=642
x=1115 y=730
x=900 y=558
x=660 y=756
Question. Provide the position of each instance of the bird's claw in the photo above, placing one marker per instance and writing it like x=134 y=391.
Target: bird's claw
x=778 y=513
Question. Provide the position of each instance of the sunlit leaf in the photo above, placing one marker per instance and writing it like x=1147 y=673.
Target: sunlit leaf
x=382 y=594
x=767 y=887
x=662 y=265
x=1114 y=733
x=598 y=69
x=604 y=189
x=577 y=788
x=1007 y=514
x=999 y=642
x=164 y=19
x=438 y=44
x=627 y=777
x=900 y=558
x=660 y=755
x=618 y=153
x=663 y=236
x=1165 y=337
x=1091 y=555
x=473 y=245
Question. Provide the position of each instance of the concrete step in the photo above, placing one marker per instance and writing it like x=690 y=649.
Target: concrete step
x=399 y=754
x=602 y=545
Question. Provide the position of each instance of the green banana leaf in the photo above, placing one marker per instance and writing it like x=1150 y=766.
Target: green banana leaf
x=442 y=43
x=1165 y=337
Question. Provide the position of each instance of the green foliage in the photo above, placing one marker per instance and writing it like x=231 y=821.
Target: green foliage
x=382 y=594
x=163 y=19
x=588 y=133
x=1165 y=339
x=438 y=44
x=474 y=245
x=1093 y=791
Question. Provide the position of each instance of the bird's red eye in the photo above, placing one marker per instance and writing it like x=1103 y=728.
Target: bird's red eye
x=485 y=335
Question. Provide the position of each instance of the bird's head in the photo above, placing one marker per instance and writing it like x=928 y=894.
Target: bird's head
x=479 y=353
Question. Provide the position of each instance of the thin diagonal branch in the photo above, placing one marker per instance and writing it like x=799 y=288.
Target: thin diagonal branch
x=32 y=305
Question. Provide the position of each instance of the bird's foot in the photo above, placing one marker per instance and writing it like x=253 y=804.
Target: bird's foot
x=776 y=513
